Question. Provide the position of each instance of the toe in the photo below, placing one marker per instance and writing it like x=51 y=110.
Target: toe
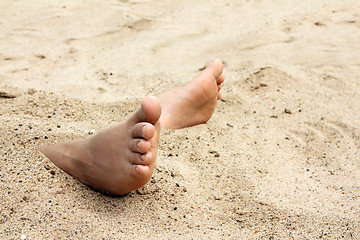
x=139 y=145
x=216 y=67
x=139 y=171
x=220 y=79
x=143 y=130
x=138 y=158
x=219 y=95
x=146 y=158
x=150 y=110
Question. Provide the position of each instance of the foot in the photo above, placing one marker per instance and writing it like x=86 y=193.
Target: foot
x=117 y=160
x=195 y=102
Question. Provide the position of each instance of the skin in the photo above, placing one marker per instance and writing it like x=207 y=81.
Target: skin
x=122 y=158
x=194 y=103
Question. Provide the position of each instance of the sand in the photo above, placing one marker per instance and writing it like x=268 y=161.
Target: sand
x=279 y=159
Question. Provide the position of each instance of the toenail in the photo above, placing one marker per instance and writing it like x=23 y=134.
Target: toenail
x=143 y=157
x=137 y=169
x=143 y=131
x=138 y=145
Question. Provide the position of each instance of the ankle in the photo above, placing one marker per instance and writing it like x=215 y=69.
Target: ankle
x=74 y=157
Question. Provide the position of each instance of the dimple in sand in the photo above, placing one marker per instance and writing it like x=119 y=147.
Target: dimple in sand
x=122 y=158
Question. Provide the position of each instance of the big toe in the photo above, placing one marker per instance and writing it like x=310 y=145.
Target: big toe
x=150 y=110
x=216 y=67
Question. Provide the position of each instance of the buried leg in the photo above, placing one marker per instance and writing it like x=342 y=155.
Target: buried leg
x=117 y=160
x=195 y=102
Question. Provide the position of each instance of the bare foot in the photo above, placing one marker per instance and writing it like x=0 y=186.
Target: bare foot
x=195 y=102
x=117 y=160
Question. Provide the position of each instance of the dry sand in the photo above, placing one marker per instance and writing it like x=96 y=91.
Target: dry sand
x=279 y=159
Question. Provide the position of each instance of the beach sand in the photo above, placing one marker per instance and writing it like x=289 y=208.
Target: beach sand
x=279 y=159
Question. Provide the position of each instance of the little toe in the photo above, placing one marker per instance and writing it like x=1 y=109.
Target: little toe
x=143 y=130
x=139 y=145
x=219 y=95
x=140 y=171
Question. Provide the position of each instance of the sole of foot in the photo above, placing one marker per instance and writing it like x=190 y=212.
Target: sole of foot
x=194 y=103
